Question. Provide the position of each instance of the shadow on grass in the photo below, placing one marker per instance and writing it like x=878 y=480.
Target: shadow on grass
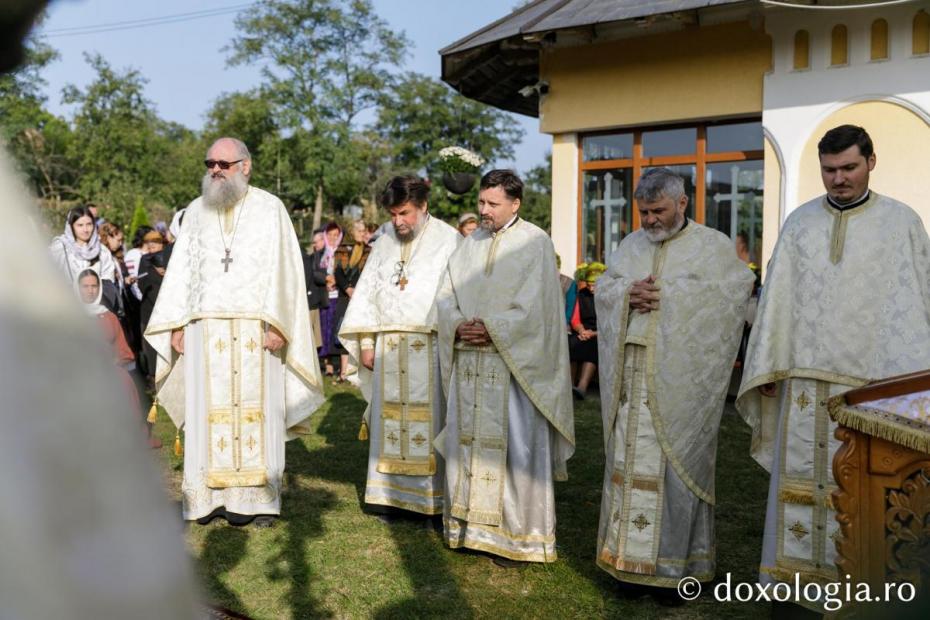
x=302 y=510
x=421 y=549
x=223 y=550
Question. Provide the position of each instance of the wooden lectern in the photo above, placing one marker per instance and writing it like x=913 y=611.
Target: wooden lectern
x=883 y=474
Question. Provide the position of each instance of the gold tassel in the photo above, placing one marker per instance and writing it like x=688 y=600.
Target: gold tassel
x=178 y=450
x=363 y=431
x=153 y=412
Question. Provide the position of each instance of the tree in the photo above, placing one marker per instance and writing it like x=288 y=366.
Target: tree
x=36 y=139
x=537 y=195
x=123 y=150
x=324 y=62
x=139 y=219
x=424 y=115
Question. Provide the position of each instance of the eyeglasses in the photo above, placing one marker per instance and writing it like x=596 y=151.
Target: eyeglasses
x=400 y=273
x=224 y=165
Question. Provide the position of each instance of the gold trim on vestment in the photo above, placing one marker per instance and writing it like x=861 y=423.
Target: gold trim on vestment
x=235 y=413
x=400 y=415
x=424 y=509
x=650 y=580
x=840 y=221
x=376 y=484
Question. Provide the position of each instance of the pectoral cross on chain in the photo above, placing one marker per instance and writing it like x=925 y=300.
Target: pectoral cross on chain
x=402 y=282
x=228 y=260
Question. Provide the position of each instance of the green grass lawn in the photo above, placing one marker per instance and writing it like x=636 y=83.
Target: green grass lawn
x=325 y=558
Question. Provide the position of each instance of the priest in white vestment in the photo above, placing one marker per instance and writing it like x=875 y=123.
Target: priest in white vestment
x=237 y=366
x=509 y=424
x=389 y=331
x=846 y=300
x=670 y=314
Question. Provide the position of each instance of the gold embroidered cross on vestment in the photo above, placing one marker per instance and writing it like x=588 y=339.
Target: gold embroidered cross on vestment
x=221 y=444
x=393 y=438
x=220 y=346
x=798 y=530
x=493 y=376
x=641 y=522
x=418 y=345
x=419 y=439
x=803 y=401
x=252 y=345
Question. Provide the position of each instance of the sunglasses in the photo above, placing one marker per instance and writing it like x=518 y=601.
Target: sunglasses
x=224 y=165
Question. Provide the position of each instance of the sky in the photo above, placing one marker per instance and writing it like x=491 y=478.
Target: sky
x=186 y=66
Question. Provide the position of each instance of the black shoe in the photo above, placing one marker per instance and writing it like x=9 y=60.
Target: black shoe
x=219 y=512
x=632 y=591
x=239 y=520
x=507 y=562
x=578 y=394
x=264 y=521
x=667 y=597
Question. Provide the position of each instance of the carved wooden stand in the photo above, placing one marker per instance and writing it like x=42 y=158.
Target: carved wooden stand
x=883 y=507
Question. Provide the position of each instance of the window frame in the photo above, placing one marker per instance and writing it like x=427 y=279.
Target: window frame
x=700 y=158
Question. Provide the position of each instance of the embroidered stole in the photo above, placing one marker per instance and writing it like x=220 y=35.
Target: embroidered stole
x=483 y=391
x=235 y=384
x=407 y=405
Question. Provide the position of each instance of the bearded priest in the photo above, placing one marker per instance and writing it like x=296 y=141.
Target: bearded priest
x=237 y=364
x=510 y=424
x=389 y=331
x=670 y=314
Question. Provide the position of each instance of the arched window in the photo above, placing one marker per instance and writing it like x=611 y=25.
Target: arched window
x=802 y=50
x=839 y=48
x=879 y=39
x=920 y=43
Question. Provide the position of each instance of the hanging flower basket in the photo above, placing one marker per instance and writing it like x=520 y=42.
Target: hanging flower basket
x=458 y=182
x=459 y=168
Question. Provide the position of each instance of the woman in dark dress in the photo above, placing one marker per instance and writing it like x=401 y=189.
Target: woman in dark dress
x=350 y=260
x=582 y=342
x=330 y=347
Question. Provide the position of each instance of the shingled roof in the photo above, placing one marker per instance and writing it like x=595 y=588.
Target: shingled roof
x=495 y=62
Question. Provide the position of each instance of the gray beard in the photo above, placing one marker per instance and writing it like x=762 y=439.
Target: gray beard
x=661 y=235
x=223 y=195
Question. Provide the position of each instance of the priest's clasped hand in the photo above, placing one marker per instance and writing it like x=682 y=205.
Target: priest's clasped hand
x=473 y=332
x=644 y=295
x=274 y=339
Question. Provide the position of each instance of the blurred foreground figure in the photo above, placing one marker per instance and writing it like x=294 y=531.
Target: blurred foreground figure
x=84 y=527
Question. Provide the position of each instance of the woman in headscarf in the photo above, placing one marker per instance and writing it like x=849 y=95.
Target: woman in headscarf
x=330 y=347
x=79 y=247
x=89 y=289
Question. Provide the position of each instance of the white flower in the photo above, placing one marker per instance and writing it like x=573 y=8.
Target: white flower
x=457 y=152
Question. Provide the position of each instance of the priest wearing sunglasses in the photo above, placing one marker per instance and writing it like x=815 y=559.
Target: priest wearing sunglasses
x=237 y=368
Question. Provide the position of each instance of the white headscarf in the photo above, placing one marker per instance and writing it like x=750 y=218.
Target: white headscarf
x=94 y=308
x=87 y=252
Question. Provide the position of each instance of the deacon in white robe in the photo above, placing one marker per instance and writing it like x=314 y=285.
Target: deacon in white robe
x=237 y=365
x=846 y=300
x=670 y=313
x=509 y=424
x=389 y=331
